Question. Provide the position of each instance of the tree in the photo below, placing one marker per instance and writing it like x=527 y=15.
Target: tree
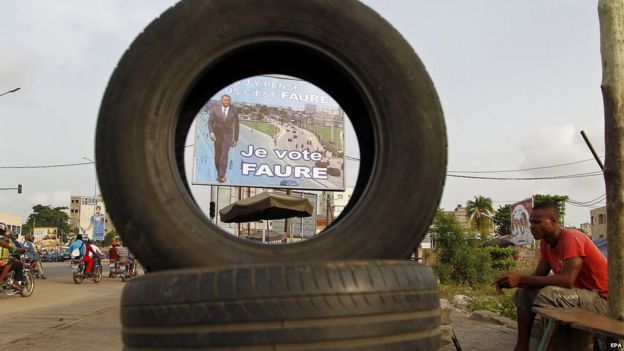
x=47 y=216
x=502 y=220
x=109 y=238
x=611 y=16
x=480 y=213
x=460 y=260
x=560 y=200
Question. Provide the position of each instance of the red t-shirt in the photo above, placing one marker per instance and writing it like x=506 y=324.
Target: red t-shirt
x=572 y=243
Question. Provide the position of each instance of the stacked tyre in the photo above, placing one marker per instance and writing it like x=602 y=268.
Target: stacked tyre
x=350 y=288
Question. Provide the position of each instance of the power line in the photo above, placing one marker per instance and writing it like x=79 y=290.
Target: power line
x=527 y=169
x=568 y=176
x=48 y=166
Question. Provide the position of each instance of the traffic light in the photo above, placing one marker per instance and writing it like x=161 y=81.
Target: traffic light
x=212 y=209
x=19 y=188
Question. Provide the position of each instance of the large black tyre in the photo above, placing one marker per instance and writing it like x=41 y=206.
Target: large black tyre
x=344 y=305
x=198 y=47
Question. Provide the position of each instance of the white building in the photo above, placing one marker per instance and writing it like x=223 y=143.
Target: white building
x=13 y=222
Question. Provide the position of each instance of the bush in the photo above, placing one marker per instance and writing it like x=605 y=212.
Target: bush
x=460 y=259
x=500 y=304
x=502 y=257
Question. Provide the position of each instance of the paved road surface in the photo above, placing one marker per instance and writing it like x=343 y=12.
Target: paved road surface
x=56 y=304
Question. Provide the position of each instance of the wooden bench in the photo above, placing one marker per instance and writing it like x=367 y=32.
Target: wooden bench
x=579 y=319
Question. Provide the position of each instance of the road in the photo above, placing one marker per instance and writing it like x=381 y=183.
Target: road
x=49 y=318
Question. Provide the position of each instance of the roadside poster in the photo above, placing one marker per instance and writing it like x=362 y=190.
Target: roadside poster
x=520 y=226
x=45 y=237
x=271 y=132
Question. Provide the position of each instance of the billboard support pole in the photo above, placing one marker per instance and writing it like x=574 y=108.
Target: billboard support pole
x=288 y=192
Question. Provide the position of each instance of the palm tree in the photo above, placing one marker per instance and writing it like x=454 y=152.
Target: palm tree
x=480 y=213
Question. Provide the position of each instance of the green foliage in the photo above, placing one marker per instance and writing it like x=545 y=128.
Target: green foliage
x=500 y=304
x=560 y=200
x=47 y=216
x=264 y=127
x=502 y=257
x=502 y=220
x=109 y=237
x=460 y=260
x=483 y=297
x=480 y=213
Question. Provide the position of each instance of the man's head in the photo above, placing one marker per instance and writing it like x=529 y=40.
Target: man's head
x=79 y=237
x=226 y=100
x=98 y=209
x=545 y=220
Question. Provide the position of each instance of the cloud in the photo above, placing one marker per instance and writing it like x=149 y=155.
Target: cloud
x=59 y=198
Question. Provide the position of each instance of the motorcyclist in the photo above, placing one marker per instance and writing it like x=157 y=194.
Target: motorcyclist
x=32 y=256
x=8 y=248
x=125 y=257
x=84 y=249
x=113 y=257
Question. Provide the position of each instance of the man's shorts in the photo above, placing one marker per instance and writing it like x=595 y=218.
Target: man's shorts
x=555 y=296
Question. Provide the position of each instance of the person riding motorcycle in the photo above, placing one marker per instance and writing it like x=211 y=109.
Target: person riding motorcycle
x=125 y=257
x=85 y=250
x=113 y=257
x=32 y=256
x=7 y=249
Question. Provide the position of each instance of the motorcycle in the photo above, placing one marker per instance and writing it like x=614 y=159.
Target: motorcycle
x=28 y=285
x=113 y=269
x=79 y=270
x=127 y=270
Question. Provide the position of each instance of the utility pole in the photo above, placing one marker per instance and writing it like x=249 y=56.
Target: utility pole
x=611 y=16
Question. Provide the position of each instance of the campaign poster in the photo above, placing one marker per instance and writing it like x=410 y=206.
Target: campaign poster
x=46 y=237
x=520 y=226
x=92 y=220
x=270 y=132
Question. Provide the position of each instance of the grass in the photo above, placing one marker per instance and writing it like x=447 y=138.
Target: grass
x=483 y=297
x=326 y=134
x=263 y=127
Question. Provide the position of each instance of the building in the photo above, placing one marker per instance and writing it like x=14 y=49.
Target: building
x=222 y=196
x=598 y=222
x=13 y=222
x=81 y=208
x=310 y=108
x=586 y=228
x=339 y=201
x=461 y=214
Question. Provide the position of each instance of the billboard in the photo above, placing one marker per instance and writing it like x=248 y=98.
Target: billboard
x=270 y=132
x=520 y=226
x=46 y=237
x=92 y=217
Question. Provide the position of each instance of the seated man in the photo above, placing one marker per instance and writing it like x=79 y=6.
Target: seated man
x=579 y=279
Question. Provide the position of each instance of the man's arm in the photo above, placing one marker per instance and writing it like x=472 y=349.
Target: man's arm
x=565 y=279
x=236 y=127
x=211 y=119
x=542 y=268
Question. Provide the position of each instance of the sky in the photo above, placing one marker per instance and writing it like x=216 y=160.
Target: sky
x=517 y=80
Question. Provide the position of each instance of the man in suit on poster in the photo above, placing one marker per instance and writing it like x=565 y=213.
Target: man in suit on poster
x=223 y=128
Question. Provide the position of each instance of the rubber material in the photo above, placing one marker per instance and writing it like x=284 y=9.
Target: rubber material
x=196 y=48
x=334 y=305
